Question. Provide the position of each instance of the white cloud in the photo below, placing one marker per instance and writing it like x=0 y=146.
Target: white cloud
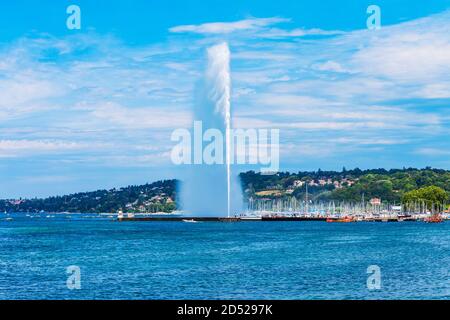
x=275 y=33
x=330 y=66
x=259 y=27
x=14 y=148
x=228 y=27
x=419 y=60
x=239 y=92
x=438 y=90
x=141 y=118
x=415 y=51
x=27 y=92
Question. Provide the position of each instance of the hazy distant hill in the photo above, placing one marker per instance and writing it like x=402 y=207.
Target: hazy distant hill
x=160 y=196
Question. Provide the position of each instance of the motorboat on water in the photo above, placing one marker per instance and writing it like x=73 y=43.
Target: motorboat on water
x=189 y=221
x=436 y=218
x=251 y=218
x=343 y=220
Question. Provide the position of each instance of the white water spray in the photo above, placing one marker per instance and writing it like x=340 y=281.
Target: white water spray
x=218 y=76
x=208 y=189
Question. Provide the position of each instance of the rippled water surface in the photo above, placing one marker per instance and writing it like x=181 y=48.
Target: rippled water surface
x=212 y=260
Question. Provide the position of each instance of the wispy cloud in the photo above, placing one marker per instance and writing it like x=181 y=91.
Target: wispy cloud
x=15 y=148
x=228 y=27
x=260 y=27
x=141 y=118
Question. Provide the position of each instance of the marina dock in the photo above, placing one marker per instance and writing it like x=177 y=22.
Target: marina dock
x=287 y=217
x=260 y=219
x=175 y=219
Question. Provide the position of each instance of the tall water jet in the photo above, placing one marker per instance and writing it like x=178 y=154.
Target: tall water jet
x=210 y=189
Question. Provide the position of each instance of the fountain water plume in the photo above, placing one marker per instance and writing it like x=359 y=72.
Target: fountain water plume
x=218 y=75
x=208 y=189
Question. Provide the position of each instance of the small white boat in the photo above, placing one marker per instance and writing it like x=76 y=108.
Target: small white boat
x=251 y=218
x=189 y=220
x=9 y=219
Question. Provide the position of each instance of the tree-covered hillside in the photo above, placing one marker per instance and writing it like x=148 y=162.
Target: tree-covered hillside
x=155 y=197
x=346 y=185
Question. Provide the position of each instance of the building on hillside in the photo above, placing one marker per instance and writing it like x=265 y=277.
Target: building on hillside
x=375 y=201
x=298 y=183
x=312 y=183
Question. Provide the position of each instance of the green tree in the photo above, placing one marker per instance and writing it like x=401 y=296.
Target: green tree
x=431 y=196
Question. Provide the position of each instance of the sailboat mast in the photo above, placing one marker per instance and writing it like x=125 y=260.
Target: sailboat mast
x=306 y=198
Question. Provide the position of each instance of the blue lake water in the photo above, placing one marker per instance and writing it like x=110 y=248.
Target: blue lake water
x=212 y=260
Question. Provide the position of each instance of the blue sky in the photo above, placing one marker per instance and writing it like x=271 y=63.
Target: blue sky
x=94 y=108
